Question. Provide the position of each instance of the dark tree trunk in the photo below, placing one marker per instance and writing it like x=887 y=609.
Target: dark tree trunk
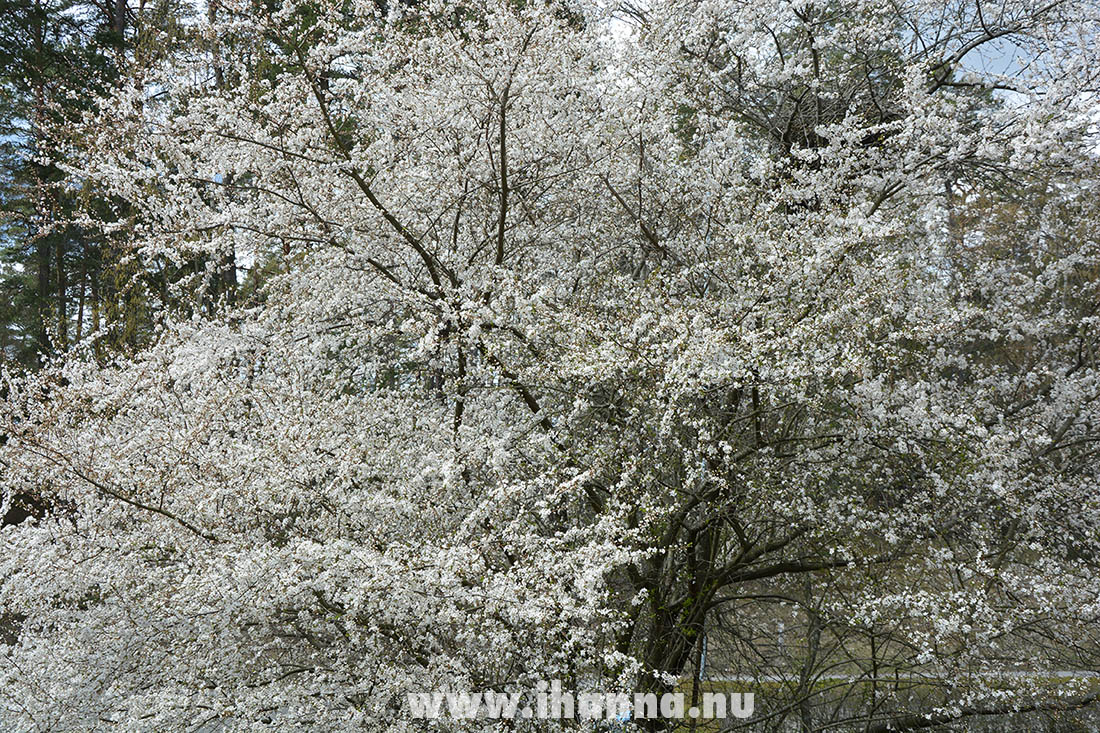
x=62 y=297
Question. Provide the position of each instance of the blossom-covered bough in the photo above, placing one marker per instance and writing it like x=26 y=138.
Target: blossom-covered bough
x=588 y=332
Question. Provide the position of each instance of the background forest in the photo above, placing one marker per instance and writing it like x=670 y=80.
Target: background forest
x=63 y=280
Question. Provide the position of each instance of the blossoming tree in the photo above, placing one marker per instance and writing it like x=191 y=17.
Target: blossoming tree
x=588 y=332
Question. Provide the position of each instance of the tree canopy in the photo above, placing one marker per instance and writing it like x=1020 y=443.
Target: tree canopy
x=493 y=342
